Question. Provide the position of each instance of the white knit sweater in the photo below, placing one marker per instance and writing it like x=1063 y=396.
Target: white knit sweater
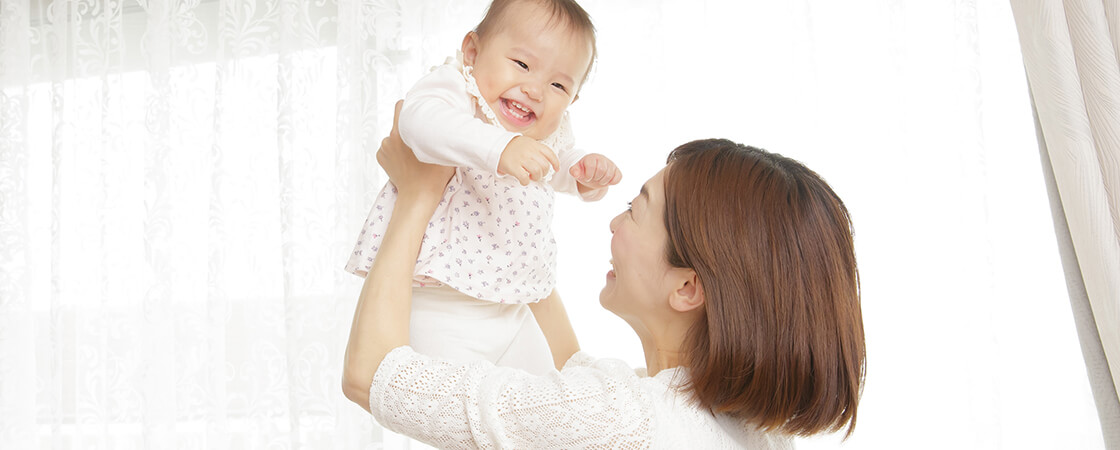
x=591 y=403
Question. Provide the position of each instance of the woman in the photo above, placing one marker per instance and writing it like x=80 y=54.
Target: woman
x=734 y=266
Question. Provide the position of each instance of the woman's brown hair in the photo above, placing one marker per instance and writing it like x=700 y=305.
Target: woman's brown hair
x=780 y=344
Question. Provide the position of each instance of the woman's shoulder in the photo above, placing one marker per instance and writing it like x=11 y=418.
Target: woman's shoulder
x=582 y=359
x=676 y=420
x=680 y=422
x=597 y=396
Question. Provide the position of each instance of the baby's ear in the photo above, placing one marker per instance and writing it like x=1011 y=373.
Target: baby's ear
x=470 y=48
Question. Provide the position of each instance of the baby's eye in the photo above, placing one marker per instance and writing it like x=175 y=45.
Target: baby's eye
x=560 y=86
x=521 y=64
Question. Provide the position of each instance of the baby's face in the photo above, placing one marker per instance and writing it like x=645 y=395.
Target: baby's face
x=529 y=71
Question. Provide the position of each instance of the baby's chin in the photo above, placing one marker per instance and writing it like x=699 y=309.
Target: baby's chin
x=536 y=132
x=540 y=131
x=539 y=134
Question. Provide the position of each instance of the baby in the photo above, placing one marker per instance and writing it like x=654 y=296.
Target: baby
x=498 y=113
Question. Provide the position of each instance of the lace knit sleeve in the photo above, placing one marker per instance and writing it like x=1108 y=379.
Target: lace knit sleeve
x=590 y=404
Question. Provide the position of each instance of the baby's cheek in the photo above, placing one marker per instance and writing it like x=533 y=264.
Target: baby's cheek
x=553 y=125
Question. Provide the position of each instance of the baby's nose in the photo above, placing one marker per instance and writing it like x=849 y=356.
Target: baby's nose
x=531 y=90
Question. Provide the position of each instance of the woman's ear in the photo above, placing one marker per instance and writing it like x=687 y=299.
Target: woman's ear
x=688 y=294
x=470 y=48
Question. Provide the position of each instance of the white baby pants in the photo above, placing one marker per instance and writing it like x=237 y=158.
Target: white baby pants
x=451 y=325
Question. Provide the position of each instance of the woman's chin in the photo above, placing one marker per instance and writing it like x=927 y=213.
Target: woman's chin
x=604 y=297
x=608 y=287
x=608 y=298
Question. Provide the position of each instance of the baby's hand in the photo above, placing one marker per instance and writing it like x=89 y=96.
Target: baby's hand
x=526 y=159
x=595 y=171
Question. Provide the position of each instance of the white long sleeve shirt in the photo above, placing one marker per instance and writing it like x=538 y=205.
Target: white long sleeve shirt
x=490 y=237
x=591 y=403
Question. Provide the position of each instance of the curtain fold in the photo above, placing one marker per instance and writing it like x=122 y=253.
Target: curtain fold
x=1100 y=379
x=1070 y=53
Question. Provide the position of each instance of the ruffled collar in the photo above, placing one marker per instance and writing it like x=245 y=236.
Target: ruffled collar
x=472 y=88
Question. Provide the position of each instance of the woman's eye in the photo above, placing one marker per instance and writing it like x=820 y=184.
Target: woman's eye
x=560 y=86
x=521 y=64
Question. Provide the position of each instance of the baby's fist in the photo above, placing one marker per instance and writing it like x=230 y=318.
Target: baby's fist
x=527 y=160
x=595 y=171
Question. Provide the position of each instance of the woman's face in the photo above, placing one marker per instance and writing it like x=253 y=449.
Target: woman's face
x=637 y=282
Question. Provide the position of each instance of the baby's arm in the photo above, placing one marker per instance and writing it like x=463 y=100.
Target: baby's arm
x=526 y=159
x=438 y=123
x=585 y=175
x=594 y=173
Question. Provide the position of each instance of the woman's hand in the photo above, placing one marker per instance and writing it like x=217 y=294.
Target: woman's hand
x=415 y=181
x=382 y=315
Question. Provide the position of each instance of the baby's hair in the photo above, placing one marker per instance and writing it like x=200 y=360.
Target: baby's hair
x=566 y=12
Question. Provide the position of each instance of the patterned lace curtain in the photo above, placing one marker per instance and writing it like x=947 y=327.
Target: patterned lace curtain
x=180 y=183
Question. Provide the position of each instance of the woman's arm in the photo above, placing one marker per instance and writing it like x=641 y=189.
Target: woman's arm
x=381 y=317
x=557 y=329
x=591 y=404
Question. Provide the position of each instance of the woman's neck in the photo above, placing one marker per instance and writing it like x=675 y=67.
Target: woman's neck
x=658 y=359
x=661 y=350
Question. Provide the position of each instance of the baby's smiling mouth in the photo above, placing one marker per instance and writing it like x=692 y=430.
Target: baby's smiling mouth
x=520 y=114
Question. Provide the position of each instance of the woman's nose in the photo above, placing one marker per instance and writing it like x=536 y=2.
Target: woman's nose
x=614 y=222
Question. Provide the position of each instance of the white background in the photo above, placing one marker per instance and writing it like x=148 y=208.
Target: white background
x=917 y=113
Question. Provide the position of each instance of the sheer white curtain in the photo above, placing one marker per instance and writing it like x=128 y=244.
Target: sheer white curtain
x=180 y=184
